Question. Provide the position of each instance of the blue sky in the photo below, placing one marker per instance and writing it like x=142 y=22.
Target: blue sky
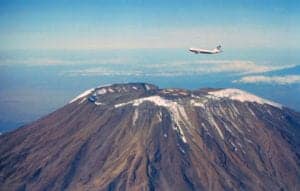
x=125 y=24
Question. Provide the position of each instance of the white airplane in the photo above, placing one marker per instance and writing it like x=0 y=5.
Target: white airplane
x=205 y=51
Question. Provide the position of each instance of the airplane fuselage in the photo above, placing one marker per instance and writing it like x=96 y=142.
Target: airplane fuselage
x=205 y=51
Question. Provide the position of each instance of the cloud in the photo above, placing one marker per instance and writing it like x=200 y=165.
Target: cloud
x=101 y=71
x=281 y=80
x=178 y=68
x=240 y=67
x=105 y=63
x=237 y=66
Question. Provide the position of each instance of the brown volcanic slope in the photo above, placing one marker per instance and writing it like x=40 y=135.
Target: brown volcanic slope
x=140 y=137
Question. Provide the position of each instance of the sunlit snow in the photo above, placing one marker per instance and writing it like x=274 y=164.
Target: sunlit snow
x=85 y=93
x=242 y=96
x=177 y=111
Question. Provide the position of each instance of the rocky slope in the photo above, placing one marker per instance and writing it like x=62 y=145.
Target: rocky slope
x=139 y=137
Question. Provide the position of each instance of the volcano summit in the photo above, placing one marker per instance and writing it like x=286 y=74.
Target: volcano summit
x=138 y=137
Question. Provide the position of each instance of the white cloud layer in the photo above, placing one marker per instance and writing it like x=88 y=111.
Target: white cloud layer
x=179 y=68
x=101 y=71
x=232 y=66
x=281 y=80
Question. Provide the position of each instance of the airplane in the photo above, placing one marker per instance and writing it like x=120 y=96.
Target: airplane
x=204 y=51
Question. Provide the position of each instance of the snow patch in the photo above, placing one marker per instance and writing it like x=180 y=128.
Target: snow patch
x=214 y=123
x=102 y=91
x=121 y=104
x=194 y=96
x=236 y=111
x=159 y=116
x=110 y=90
x=98 y=103
x=252 y=113
x=196 y=103
x=177 y=111
x=85 y=93
x=147 y=87
x=227 y=128
x=234 y=146
x=154 y=99
x=249 y=141
x=178 y=128
x=242 y=96
x=183 y=93
x=181 y=149
x=135 y=116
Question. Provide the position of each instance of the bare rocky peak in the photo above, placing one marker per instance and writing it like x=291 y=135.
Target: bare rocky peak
x=137 y=136
x=123 y=94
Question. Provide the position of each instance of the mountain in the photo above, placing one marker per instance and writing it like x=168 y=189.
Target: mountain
x=138 y=137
